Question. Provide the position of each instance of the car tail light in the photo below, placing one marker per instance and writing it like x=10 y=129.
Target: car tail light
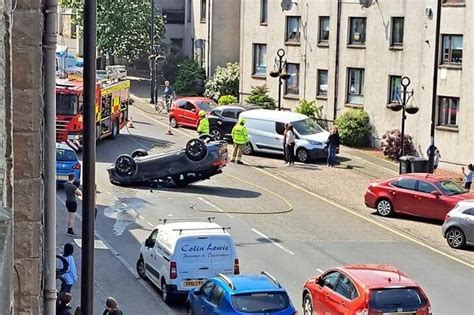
x=236 y=267
x=77 y=166
x=173 y=270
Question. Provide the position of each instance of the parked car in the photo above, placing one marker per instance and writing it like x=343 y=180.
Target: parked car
x=67 y=163
x=223 y=118
x=197 y=161
x=185 y=111
x=243 y=294
x=418 y=194
x=364 y=289
x=266 y=129
x=180 y=256
x=458 y=227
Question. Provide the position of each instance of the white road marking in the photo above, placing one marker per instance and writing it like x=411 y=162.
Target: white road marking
x=274 y=243
x=214 y=206
x=124 y=204
x=141 y=217
x=108 y=193
x=116 y=198
x=319 y=270
x=151 y=224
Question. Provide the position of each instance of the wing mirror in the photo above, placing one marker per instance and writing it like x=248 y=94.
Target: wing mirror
x=320 y=281
x=149 y=243
x=436 y=193
x=193 y=110
x=197 y=292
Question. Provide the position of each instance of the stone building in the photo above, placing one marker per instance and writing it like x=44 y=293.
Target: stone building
x=348 y=56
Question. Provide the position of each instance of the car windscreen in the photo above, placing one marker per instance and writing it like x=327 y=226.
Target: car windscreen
x=207 y=106
x=307 y=127
x=67 y=104
x=395 y=299
x=261 y=302
x=450 y=188
x=65 y=155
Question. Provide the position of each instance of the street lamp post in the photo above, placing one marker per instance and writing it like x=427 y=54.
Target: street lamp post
x=280 y=72
x=152 y=54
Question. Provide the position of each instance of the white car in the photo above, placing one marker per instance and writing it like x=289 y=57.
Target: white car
x=180 y=256
x=458 y=226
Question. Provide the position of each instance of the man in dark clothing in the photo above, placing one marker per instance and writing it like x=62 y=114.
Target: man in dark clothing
x=63 y=306
x=71 y=192
x=333 y=146
x=111 y=307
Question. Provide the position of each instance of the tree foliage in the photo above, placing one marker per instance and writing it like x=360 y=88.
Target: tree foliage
x=225 y=81
x=354 y=127
x=259 y=96
x=391 y=144
x=190 y=78
x=310 y=109
x=228 y=99
x=123 y=26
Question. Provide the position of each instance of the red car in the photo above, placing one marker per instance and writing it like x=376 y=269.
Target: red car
x=364 y=290
x=417 y=194
x=185 y=111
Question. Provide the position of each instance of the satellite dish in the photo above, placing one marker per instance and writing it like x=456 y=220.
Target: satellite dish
x=286 y=5
x=366 y=3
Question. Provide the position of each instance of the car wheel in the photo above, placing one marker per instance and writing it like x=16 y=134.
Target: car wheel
x=138 y=153
x=165 y=294
x=125 y=166
x=173 y=122
x=141 y=268
x=115 y=129
x=180 y=181
x=216 y=133
x=307 y=305
x=302 y=155
x=196 y=149
x=248 y=149
x=384 y=208
x=455 y=238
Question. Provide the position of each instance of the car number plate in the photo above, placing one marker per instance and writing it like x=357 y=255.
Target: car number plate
x=193 y=283
x=61 y=177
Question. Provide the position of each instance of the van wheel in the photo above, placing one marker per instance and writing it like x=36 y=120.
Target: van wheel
x=248 y=149
x=302 y=155
x=141 y=268
x=165 y=294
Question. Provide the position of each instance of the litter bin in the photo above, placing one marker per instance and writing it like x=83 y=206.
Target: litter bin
x=420 y=165
x=405 y=164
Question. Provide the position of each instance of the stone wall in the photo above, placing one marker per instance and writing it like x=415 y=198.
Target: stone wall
x=28 y=198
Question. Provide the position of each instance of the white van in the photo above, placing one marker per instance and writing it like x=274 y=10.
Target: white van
x=180 y=256
x=266 y=129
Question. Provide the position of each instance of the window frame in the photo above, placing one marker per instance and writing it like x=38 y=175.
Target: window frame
x=256 y=48
x=449 y=54
x=319 y=92
x=351 y=41
x=454 y=2
x=228 y=110
x=213 y=294
x=360 y=88
x=338 y=275
x=288 y=40
x=341 y=276
x=405 y=179
x=394 y=44
x=293 y=90
x=449 y=111
x=391 y=78
x=418 y=184
x=263 y=12
x=203 y=11
x=322 y=41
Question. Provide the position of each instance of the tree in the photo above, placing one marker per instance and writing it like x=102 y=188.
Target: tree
x=225 y=81
x=227 y=99
x=259 y=96
x=190 y=78
x=123 y=26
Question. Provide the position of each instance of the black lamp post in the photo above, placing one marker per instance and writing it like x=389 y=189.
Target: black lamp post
x=280 y=72
x=152 y=54
x=158 y=61
x=405 y=82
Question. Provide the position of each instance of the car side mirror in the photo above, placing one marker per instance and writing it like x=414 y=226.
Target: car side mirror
x=197 y=292
x=149 y=243
x=320 y=281
x=193 y=110
x=436 y=193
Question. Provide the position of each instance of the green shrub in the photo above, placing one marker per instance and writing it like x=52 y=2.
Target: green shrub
x=259 y=96
x=310 y=109
x=190 y=78
x=228 y=99
x=224 y=81
x=354 y=128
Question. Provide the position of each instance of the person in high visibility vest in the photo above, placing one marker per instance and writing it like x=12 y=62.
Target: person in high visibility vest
x=203 y=125
x=240 y=137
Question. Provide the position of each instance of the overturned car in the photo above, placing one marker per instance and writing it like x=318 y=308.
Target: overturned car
x=199 y=160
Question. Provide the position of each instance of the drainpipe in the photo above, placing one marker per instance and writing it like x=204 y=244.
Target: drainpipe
x=336 y=71
x=305 y=51
x=49 y=96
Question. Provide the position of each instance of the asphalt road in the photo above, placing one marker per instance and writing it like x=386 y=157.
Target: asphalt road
x=304 y=235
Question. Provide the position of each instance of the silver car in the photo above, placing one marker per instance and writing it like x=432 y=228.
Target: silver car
x=458 y=227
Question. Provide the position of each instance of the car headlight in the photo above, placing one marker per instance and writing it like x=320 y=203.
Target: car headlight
x=315 y=142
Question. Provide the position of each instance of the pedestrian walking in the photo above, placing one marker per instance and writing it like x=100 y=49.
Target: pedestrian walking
x=333 y=145
x=468 y=176
x=240 y=137
x=64 y=304
x=203 y=125
x=285 y=151
x=290 y=145
x=72 y=192
x=70 y=276
x=436 y=155
x=111 y=307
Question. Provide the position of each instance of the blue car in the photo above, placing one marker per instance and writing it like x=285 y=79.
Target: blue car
x=240 y=294
x=67 y=163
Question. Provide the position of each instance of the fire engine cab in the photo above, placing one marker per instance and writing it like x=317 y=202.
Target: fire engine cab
x=111 y=108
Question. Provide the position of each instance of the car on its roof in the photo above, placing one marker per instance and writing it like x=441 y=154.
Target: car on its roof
x=240 y=294
x=185 y=110
x=224 y=117
x=67 y=163
x=364 y=290
x=458 y=227
x=418 y=194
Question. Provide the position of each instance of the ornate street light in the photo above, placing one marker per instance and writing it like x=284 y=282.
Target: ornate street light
x=279 y=71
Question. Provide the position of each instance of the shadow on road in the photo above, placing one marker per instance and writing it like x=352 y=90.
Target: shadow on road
x=405 y=217
x=227 y=192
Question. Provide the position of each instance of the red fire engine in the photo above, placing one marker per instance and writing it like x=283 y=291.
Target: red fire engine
x=111 y=108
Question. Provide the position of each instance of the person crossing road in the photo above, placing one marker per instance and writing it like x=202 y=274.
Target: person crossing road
x=240 y=137
x=203 y=125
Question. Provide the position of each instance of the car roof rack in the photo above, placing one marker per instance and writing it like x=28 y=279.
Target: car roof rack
x=226 y=279
x=223 y=228
x=272 y=278
x=186 y=219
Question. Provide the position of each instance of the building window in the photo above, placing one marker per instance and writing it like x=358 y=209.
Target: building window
x=190 y=10
x=293 y=83
x=357 y=30
x=395 y=89
x=452 y=49
x=203 y=11
x=448 y=111
x=397 y=32
x=355 y=86
x=263 y=11
x=292 y=29
x=323 y=29
x=259 y=60
x=173 y=17
x=322 y=83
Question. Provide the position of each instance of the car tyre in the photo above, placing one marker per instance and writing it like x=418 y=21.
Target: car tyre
x=307 y=305
x=141 y=268
x=384 y=208
x=115 y=129
x=139 y=153
x=216 y=133
x=196 y=149
x=165 y=293
x=302 y=155
x=173 y=122
x=248 y=149
x=455 y=238
x=125 y=166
